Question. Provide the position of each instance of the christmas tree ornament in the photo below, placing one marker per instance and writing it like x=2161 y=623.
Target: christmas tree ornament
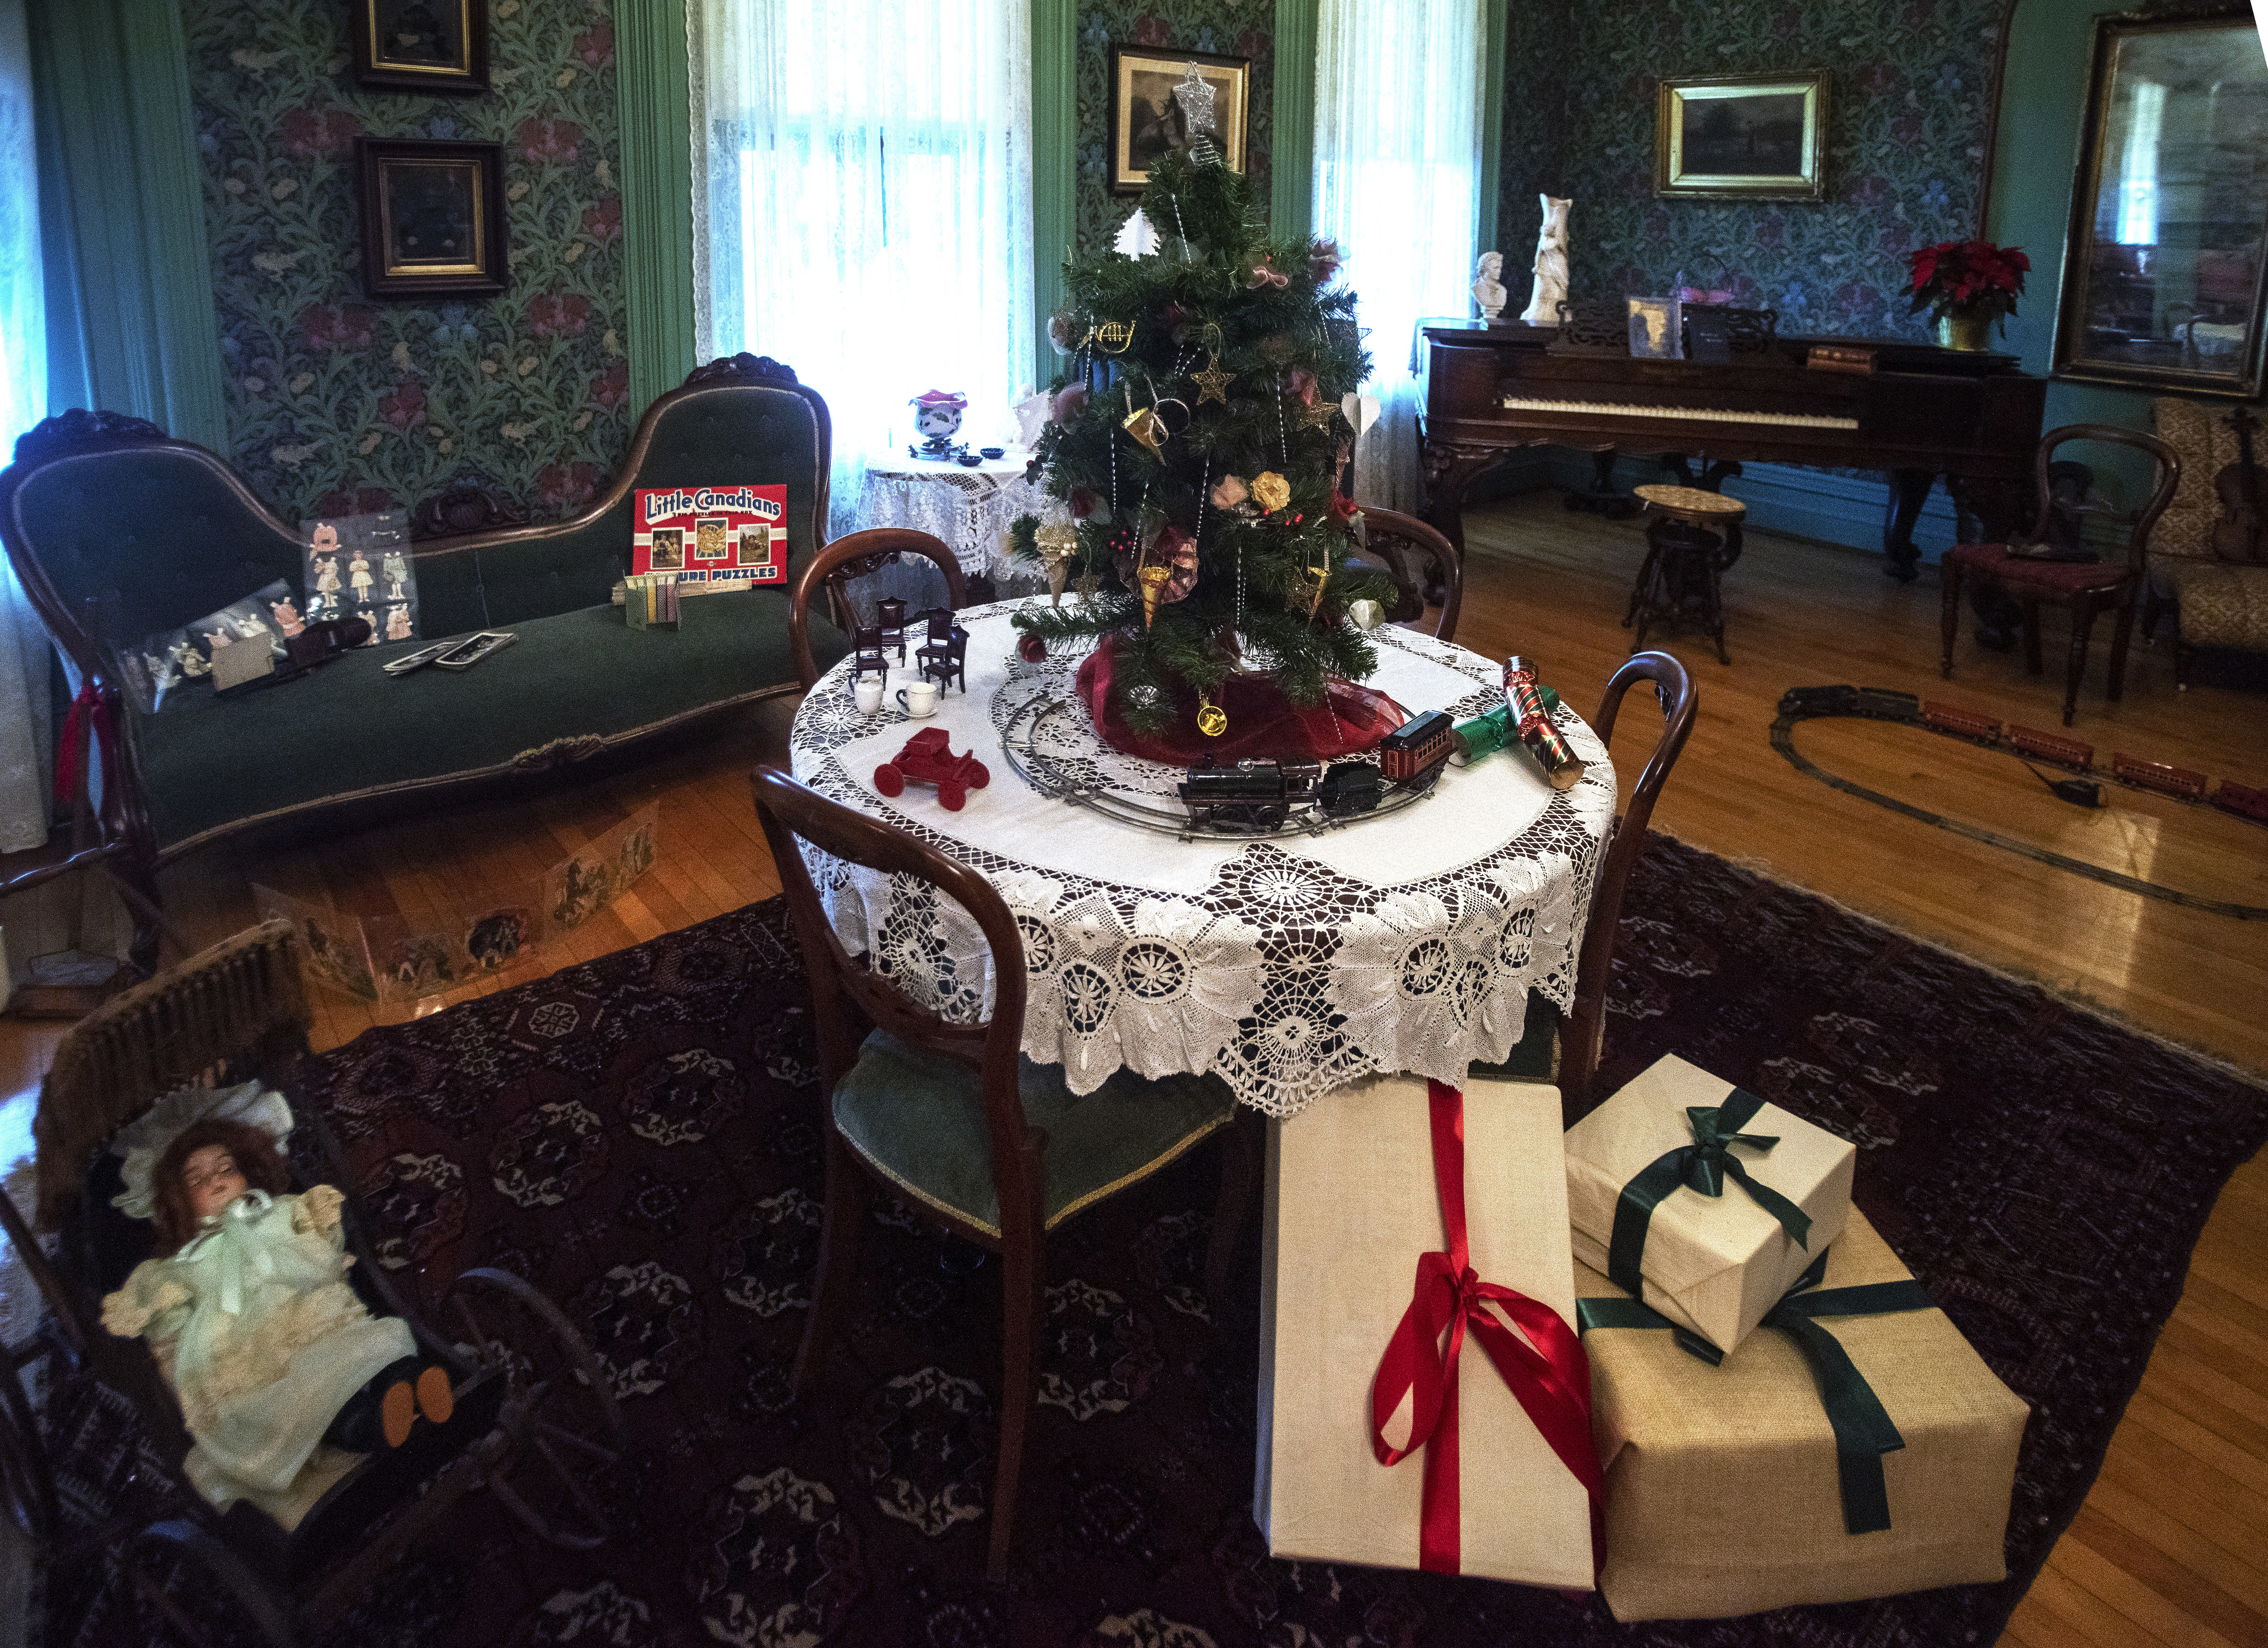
x=1366 y=614
x=1032 y=649
x=1056 y=541
x=1152 y=581
x=1307 y=593
x=1229 y=491
x=1265 y=275
x=1270 y=490
x=1212 y=381
x=1065 y=331
x=1136 y=237
x=1318 y=415
x=1196 y=95
x=1212 y=720
x=1144 y=424
x=1114 y=336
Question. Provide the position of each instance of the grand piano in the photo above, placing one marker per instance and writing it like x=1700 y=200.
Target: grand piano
x=1494 y=388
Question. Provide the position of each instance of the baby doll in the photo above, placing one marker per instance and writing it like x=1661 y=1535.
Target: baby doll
x=248 y=1310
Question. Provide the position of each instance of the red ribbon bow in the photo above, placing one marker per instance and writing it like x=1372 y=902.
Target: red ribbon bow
x=90 y=710
x=1546 y=1371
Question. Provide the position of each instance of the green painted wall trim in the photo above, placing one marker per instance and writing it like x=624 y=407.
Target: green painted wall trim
x=1492 y=123
x=653 y=80
x=1292 y=179
x=1055 y=161
x=123 y=192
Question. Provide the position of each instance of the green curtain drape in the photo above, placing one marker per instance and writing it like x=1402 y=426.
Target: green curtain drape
x=131 y=325
x=652 y=64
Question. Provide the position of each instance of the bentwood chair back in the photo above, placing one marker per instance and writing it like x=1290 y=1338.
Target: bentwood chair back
x=1582 y=1041
x=1420 y=561
x=953 y=1121
x=833 y=567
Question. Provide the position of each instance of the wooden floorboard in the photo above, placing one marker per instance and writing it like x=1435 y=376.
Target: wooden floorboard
x=2172 y=1547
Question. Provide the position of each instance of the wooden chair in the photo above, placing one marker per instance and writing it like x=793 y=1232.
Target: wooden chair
x=2086 y=587
x=854 y=557
x=1424 y=565
x=1570 y=1052
x=953 y=1120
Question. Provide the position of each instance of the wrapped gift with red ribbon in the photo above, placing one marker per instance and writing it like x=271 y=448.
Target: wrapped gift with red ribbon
x=1472 y=1187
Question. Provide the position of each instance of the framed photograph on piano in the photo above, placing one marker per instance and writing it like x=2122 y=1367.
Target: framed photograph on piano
x=1742 y=137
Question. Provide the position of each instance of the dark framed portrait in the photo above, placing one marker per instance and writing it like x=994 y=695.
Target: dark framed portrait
x=1162 y=100
x=421 y=45
x=432 y=217
x=1742 y=137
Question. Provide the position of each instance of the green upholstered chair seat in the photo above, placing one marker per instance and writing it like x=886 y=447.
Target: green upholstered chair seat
x=919 y=1119
x=347 y=728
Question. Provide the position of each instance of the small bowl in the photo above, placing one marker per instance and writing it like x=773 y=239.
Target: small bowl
x=970 y=459
x=994 y=451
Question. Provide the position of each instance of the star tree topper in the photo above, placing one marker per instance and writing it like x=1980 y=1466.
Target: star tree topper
x=1195 y=98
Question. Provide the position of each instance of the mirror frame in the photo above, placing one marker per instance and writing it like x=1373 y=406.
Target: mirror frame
x=2070 y=361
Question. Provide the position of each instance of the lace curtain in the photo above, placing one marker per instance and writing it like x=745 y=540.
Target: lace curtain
x=1397 y=178
x=24 y=761
x=862 y=205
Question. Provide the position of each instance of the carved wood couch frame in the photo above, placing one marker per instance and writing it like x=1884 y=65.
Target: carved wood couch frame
x=118 y=533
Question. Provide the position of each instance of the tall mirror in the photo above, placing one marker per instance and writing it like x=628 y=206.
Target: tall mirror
x=2167 y=265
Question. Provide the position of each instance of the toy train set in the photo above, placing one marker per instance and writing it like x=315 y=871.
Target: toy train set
x=1256 y=796
x=2244 y=800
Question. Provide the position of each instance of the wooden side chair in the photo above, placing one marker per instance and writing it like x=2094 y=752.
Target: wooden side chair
x=1425 y=567
x=2087 y=587
x=833 y=567
x=1568 y=1051
x=954 y=1121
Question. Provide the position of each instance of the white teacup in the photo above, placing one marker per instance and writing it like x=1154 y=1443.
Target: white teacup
x=918 y=698
x=868 y=692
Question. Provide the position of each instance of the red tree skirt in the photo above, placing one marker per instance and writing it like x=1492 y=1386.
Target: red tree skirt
x=1262 y=721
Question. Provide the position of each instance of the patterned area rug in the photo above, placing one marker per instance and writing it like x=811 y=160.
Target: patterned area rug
x=640 y=1138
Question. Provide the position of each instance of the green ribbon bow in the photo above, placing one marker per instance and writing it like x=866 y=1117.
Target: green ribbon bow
x=1702 y=1166
x=1863 y=1430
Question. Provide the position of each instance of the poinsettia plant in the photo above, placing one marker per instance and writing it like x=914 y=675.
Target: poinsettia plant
x=1969 y=276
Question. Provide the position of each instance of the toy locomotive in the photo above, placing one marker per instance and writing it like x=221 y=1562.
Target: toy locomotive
x=1254 y=794
x=1412 y=754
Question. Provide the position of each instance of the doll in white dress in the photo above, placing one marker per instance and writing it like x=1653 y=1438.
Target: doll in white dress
x=359 y=575
x=248 y=1310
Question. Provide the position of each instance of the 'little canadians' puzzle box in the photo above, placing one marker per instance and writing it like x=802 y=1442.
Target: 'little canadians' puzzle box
x=712 y=535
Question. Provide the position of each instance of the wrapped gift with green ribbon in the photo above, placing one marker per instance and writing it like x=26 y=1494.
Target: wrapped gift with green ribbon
x=1702 y=1198
x=1858 y=1447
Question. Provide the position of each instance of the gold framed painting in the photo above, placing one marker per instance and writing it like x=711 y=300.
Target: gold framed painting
x=1162 y=100
x=432 y=217
x=1742 y=137
x=421 y=45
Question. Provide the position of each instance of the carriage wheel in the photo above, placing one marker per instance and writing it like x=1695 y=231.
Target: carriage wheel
x=27 y=1481
x=978 y=777
x=185 y=1587
x=567 y=1428
x=889 y=780
x=951 y=798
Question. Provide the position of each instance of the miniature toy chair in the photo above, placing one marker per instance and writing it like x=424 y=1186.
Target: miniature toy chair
x=944 y=657
x=854 y=557
x=890 y=619
x=1425 y=567
x=1569 y=1053
x=2087 y=587
x=870 y=650
x=953 y=1119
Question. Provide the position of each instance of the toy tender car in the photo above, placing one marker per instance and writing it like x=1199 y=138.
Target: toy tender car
x=927 y=759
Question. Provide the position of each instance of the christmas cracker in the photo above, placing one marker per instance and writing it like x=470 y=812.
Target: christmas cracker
x=1537 y=736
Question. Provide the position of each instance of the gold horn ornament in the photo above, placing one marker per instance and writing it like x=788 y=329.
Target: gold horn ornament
x=1152 y=582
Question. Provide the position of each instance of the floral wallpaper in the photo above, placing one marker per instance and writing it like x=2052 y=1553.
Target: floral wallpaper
x=1228 y=28
x=1907 y=108
x=339 y=403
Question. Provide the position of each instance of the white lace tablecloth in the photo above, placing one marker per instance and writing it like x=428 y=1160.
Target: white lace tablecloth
x=1292 y=966
x=969 y=509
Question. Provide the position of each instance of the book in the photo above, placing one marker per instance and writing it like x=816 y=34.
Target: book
x=733 y=535
x=1841 y=357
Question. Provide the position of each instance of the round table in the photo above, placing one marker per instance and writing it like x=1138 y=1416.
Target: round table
x=1405 y=942
x=969 y=508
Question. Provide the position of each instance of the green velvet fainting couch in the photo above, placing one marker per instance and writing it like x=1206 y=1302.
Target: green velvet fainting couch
x=117 y=532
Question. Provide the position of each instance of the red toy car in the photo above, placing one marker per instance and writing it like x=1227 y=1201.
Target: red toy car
x=927 y=759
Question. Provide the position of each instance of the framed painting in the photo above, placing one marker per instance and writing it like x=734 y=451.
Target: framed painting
x=1162 y=100
x=432 y=218
x=2165 y=274
x=1742 y=137
x=421 y=45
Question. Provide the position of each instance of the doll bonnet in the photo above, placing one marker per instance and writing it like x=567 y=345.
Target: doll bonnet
x=144 y=1141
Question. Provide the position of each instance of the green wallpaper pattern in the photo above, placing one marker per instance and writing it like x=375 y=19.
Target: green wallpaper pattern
x=1229 y=28
x=336 y=402
x=1908 y=106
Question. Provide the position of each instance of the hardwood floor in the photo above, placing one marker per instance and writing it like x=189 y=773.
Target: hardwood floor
x=2172 y=1548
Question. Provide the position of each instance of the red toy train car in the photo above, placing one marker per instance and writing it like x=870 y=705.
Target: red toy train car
x=1413 y=754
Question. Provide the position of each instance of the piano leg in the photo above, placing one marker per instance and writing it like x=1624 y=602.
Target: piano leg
x=1450 y=469
x=1602 y=499
x=1909 y=492
x=1714 y=471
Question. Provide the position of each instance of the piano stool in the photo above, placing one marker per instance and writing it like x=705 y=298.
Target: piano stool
x=1692 y=537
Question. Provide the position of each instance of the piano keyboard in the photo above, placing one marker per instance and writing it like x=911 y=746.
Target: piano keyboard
x=1678 y=414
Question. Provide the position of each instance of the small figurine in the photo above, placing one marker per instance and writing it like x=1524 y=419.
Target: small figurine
x=397 y=624
x=287 y=616
x=370 y=626
x=217 y=638
x=1488 y=290
x=359 y=575
x=326 y=570
x=247 y=1308
x=192 y=663
x=1551 y=289
x=937 y=419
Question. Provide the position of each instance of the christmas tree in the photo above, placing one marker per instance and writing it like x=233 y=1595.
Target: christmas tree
x=1196 y=443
